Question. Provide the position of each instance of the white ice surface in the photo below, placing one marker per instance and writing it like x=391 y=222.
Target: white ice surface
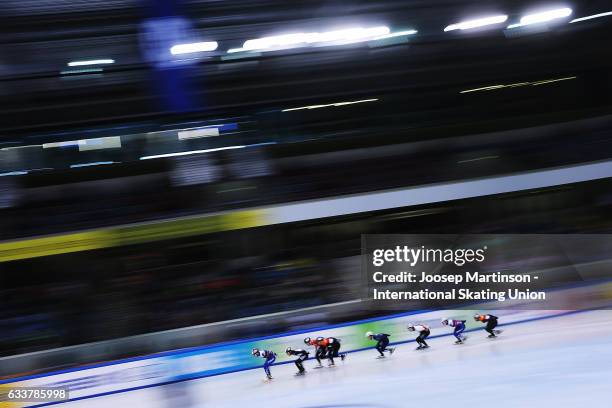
x=559 y=362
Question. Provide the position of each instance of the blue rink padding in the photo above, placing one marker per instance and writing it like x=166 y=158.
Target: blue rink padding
x=234 y=356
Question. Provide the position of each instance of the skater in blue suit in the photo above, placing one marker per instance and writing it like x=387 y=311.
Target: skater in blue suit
x=459 y=326
x=270 y=357
x=382 y=340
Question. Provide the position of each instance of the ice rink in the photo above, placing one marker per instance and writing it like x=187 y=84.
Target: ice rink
x=559 y=362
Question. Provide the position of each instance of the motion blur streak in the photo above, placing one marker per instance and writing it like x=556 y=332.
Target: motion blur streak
x=194 y=47
x=81 y=71
x=481 y=22
x=91 y=62
x=344 y=36
x=330 y=105
x=396 y=34
x=606 y=14
x=543 y=17
x=75 y=166
x=550 y=81
x=218 y=149
x=13 y=173
x=172 y=164
x=517 y=84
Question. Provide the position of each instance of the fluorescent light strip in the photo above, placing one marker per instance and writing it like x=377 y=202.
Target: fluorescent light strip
x=191 y=48
x=308 y=39
x=396 y=34
x=81 y=71
x=518 y=84
x=91 y=62
x=13 y=173
x=542 y=17
x=344 y=36
x=480 y=22
x=329 y=105
x=606 y=14
x=74 y=166
x=218 y=149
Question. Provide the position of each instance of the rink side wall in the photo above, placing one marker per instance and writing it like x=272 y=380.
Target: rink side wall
x=205 y=361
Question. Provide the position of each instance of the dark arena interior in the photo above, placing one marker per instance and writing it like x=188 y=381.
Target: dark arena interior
x=189 y=185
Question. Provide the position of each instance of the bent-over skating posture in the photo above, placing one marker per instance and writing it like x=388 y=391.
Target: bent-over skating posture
x=331 y=345
x=320 y=352
x=424 y=332
x=459 y=326
x=301 y=355
x=382 y=340
x=270 y=358
x=491 y=322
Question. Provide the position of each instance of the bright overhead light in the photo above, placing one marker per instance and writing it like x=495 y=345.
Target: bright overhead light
x=276 y=41
x=543 y=17
x=396 y=34
x=480 y=22
x=336 y=37
x=576 y=20
x=194 y=47
x=349 y=35
x=100 y=163
x=91 y=62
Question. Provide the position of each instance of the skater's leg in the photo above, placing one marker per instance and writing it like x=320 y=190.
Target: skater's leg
x=458 y=333
x=381 y=346
x=267 y=365
x=385 y=343
x=491 y=324
x=421 y=339
x=424 y=335
x=320 y=354
x=299 y=365
x=333 y=351
x=337 y=351
x=330 y=354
